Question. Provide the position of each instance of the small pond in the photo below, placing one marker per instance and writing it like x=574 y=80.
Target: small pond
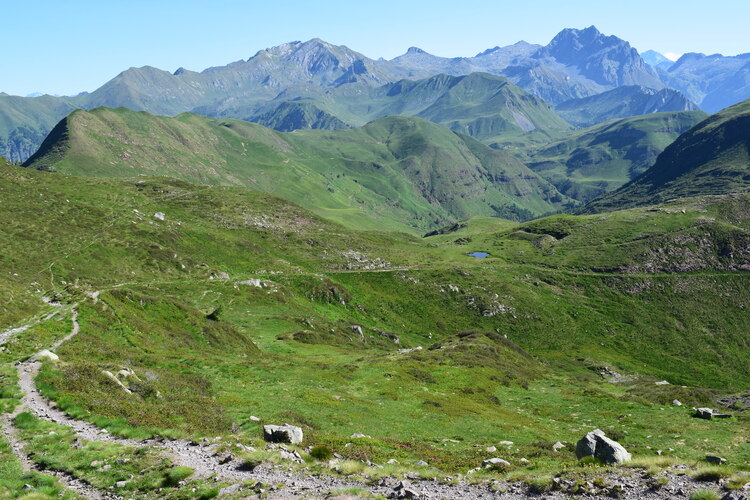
x=478 y=255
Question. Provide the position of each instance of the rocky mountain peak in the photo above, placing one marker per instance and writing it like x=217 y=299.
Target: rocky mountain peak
x=607 y=60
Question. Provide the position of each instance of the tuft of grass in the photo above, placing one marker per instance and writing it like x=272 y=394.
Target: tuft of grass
x=705 y=495
x=711 y=474
x=321 y=453
x=539 y=485
x=175 y=475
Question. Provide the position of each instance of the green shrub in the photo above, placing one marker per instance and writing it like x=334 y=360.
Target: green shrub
x=177 y=474
x=321 y=453
x=704 y=495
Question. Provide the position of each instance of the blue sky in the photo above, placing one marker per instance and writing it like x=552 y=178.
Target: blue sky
x=69 y=46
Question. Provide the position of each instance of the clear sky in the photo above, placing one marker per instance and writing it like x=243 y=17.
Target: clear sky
x=68 y=46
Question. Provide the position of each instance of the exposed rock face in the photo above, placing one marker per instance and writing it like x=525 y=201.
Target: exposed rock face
x=607 y=60
x=282 y=434
x=596 y=444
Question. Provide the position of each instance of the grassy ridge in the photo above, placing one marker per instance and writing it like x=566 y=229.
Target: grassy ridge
x=711 y=158
x=594 y=160
x=398 y=173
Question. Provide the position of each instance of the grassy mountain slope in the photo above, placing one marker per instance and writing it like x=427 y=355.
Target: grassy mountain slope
x=711 y=158
x=406 y=173
x=591 y=161
x=481 y=105
x=487 y=107
x=506 y=341
x=630 y=100
x=296 y=115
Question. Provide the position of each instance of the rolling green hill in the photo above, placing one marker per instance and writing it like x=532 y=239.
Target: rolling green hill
x=589 y=162
x=713 y=157
x=403 y=173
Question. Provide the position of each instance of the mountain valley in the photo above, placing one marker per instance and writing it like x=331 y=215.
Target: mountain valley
x=313 y=274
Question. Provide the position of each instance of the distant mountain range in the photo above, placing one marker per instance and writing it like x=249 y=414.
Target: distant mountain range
x=315 y=84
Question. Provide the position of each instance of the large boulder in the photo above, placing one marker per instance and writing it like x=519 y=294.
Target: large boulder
x=282 y=434
x=596 y=444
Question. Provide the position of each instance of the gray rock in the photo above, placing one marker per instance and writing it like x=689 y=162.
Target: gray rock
x=495 y=462
x=159 y=215
x=358 y=330
x=676 y=402
x=736 y=495
x=404 y=490
x=282 y=434
x=704 y=413
x=46 y=355
x=712 y=459
x=421 y=463
x=558 y=446
x=596 y=444
x=491 y=449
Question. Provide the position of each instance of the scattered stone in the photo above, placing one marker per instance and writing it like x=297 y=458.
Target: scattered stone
x=491 y=449
x=558 y=446
x=495 y=462
x=596 y=444
x=254 y=418
x=404 y=490
x=421 y=463
x=736 y=495
x=234 y=488
x=661 y=382
x=47 y=355
x=524 y=460
x=392 y=461
x=252 y=282
x=282 y=434
x=121 y=484
x=360 y=435
x=676 y=402
x=712 y=459
x=506 y=443
x=159 y=215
